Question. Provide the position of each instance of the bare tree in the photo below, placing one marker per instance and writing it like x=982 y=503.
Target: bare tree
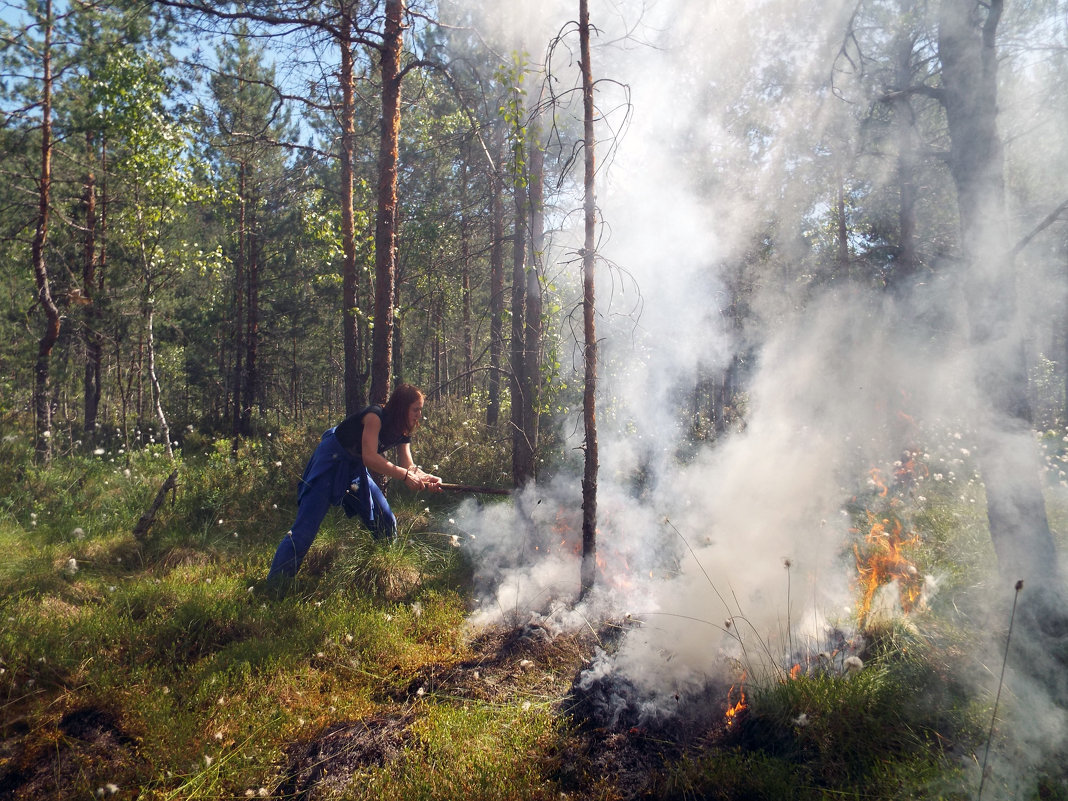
x=532 y=330
x=521 y=445
x=589 y=409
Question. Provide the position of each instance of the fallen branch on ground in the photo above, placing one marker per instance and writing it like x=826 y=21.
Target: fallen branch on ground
x=140 y=531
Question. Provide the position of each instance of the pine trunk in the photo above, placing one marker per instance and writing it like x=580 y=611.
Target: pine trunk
x=386 y=223
x=496 y=345
x=354 y=379
x=589 y=410
x=521 y=462
x=42 y=368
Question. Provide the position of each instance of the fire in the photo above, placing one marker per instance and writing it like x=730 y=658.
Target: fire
x=734 y=707
x=884 y=552
x=884 y=559
x=613 y=563
x=876 y=478
x=910 y=469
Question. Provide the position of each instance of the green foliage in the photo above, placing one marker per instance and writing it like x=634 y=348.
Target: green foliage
x=880 y=730
x=471 y=752
x=210 y=687
x=394 y=569
x=735 y=775
x=455 y=442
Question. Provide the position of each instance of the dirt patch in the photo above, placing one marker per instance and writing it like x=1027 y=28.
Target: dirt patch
x=620 y=748
x=526 y=659
x=622 y=766
x=610 y=751
x=85 y=750
x=322 y=767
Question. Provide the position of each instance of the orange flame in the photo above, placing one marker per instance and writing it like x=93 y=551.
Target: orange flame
x=734 y=707
x=876 y=476
x=884 y=559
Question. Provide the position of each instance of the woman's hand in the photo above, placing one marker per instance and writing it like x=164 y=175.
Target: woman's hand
x=417 y=479
x=412 y=479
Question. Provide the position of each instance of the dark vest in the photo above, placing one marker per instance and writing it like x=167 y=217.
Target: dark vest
x=349 y=433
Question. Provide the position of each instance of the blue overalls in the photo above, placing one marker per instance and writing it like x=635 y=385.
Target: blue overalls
x=332 y=478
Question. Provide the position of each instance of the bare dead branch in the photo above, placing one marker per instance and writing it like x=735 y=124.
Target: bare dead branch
x=1050 y=218
x=140 y=531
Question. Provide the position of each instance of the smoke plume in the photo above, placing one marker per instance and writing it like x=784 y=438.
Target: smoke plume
x=709 y=549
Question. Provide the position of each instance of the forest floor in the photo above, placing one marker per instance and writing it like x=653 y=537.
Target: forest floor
x=155 y=669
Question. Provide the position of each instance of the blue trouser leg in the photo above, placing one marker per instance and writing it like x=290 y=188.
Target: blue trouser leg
x=367 y=501
x=385 y=522
x=312 y=508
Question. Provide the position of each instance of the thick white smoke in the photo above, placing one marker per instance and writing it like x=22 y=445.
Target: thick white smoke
x=711 y=552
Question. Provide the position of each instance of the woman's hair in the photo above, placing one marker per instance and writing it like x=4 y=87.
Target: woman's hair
x=395 y=412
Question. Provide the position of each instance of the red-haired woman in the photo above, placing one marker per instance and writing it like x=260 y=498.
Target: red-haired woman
x=339 y=473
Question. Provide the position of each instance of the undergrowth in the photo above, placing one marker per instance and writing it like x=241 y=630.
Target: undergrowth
x=155 y=668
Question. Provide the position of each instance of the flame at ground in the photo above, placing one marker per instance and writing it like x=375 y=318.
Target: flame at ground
x=734 y=707
x=883 y=557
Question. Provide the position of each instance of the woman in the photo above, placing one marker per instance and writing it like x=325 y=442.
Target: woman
x=339 y=473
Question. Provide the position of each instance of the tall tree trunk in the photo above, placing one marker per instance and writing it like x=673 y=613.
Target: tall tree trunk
x=533 y=322
x=386 y=222
x=589 y=410
x=354 y=378
x=496 y=345
x=42 y=401
x=90 y=315
x=465 y=280
x=1007 y=457
x=521 y=445
x=252 y=327
x=148 y=312
x=437 y=335
x=157 y=393
x=904 y=123
x=97 y=352
x=238 y=331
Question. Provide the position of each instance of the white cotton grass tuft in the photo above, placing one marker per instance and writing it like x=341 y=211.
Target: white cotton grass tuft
x=71 y=567
x=853 y=664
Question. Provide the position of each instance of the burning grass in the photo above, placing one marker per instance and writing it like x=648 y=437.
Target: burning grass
x=365 y=681
x=885 y=721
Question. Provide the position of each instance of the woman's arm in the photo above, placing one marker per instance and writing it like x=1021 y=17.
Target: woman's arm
x=405 y=469
x=425 y=480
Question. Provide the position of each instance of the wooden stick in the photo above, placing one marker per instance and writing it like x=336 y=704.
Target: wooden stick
x=140 y=531
x=469 y=488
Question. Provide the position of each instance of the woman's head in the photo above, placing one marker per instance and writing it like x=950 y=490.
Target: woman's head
x=404 y=409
